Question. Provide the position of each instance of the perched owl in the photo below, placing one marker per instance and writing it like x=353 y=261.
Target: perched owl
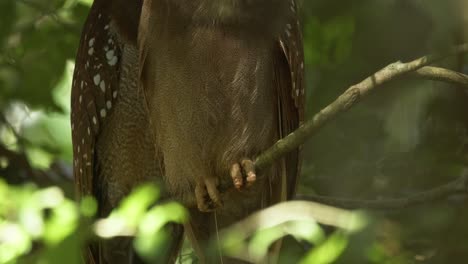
x=186 y=93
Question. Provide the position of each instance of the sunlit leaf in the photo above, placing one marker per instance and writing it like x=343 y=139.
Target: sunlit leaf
x=151 y=233
x=262 y=240
x=88 y=206
x=328 y=251
x=112 y=227
x=86 y=2
x=62 y=223
x=8 y=138
x=14 y=241
x=125 y=218
x=39 y=158
x=306 y=230
x=135 y=205
x=233 y=243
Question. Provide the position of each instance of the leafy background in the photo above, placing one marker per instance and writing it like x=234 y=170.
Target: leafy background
x=407 y=137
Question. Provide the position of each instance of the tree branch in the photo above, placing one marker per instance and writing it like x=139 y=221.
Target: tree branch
x=460 y=185
x=351 y=97
x=443 y=75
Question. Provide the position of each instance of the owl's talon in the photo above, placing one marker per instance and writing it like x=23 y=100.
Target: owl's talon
x=244 y=169
x=236 y=176
x=249 y=170
x=207 y=195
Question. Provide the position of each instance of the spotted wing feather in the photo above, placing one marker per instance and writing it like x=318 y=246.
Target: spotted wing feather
x=94 y=91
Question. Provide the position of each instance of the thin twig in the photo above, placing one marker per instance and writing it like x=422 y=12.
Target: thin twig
x=460 y=185
x=443 y=75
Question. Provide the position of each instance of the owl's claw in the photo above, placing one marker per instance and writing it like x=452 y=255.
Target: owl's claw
x=206 y=191
x=244 y=169
x=207 y=195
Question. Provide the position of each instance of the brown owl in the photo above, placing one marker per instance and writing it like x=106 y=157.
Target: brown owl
x=186 y=93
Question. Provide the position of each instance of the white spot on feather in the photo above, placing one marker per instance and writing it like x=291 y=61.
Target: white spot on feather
x=110 y=54
x=113 y=61
x=103 y=86
x=97 y=79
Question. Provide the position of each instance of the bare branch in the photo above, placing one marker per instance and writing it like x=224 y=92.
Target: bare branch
x=351 y=97
x=443 y=75
x=460 y=185
x=348 y=99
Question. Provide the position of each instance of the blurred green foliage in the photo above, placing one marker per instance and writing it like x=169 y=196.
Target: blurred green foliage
x=43 y=226
x=38 y=42
x=36 y=225
x=323 y=248
x=331 y=40
x=37 y=38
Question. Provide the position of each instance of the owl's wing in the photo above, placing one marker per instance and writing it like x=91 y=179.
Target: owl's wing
x=289 y=77
x=94 y=91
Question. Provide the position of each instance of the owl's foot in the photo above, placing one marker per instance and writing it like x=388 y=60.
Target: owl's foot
x=243 y=174
x=207 y=195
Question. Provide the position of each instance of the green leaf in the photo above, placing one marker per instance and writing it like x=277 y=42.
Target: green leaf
x=86 y=2
x=15 y=241
x=88 y=206
x=134 y=207
x=329 y=251
x=152 y=236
